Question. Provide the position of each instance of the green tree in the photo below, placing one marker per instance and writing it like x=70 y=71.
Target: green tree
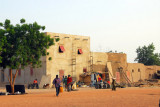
x=2 y=41
x=147 y=56
x=25 y=45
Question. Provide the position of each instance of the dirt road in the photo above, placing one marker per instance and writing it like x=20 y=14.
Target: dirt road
x=85 y=97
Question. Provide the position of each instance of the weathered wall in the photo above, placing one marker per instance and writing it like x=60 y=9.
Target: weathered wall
x=139 y=71
x=136 y=71
x=150 y=71
x=101 y=64
x=72 y=63
x=60 y=61
x=118 y=60
x=110 y=71
x=64 y=61
x=99 y=61
x=25 y=77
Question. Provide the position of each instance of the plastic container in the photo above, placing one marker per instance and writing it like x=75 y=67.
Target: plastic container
x=61 y=89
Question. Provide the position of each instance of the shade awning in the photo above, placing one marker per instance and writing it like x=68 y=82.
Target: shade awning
x=80 y=51
x=61 y=48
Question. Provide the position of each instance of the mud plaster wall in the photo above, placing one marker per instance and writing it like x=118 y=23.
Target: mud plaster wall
x=26 y=77
x=100 y=63
x=118 y=60
x=63 y=61
x=136 y=71
x=150 y=71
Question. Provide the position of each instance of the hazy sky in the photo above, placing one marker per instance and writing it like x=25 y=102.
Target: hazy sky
x=120 y=25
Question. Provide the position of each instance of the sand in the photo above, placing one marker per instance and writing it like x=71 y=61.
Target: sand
x=85 y=97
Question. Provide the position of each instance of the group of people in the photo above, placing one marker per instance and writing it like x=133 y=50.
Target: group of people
x=67 y=83
x=99 y=79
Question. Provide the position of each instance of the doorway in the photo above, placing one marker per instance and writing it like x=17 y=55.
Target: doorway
x=61 y=74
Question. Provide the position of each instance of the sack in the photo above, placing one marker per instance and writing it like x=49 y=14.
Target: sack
x=60 y=89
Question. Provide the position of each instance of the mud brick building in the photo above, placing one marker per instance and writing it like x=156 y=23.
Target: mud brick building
x=72 y=56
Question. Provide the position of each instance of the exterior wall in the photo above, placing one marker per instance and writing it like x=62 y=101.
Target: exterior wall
x=101 y=64
x=26 y=77
x=72 y=63
x=64 y=61
x=109 y=68
x=60 y=61
x=150 y=71
x=139 y=71
x=136 y=71
x=99 y=61
x=118 y=60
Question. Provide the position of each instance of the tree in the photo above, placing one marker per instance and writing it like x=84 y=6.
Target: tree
x=147 y=56
x=2 y=41
x=24 y=46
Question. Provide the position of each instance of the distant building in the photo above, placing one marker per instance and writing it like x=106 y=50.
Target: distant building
x=72 y=56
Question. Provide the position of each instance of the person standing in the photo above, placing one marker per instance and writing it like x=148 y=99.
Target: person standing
x=57 y=83
x=113 y=84
x=69 y=83
x=65 y=82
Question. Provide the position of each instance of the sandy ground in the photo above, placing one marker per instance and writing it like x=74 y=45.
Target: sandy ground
x=85 y=97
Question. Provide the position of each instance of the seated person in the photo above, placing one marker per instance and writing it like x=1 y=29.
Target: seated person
x=35 y=83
